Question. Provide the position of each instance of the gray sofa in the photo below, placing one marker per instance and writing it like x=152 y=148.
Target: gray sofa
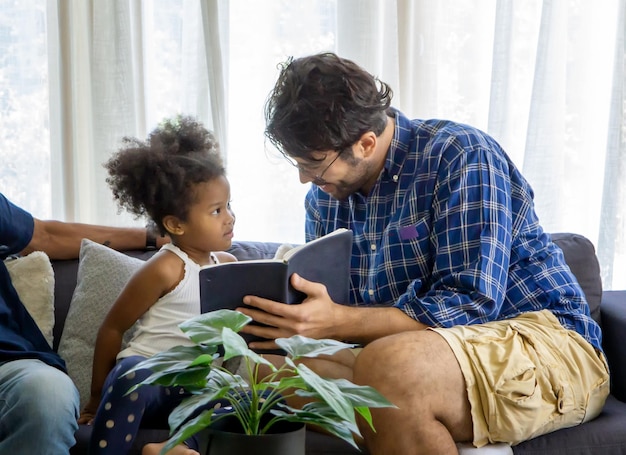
x=605 y=435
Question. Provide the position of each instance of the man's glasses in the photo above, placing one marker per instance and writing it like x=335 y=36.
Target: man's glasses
x=311 y=172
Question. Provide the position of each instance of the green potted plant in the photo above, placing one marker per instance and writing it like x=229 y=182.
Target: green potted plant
x=258 y=403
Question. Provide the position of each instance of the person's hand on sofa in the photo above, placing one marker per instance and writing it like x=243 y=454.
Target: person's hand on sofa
x=89 y=411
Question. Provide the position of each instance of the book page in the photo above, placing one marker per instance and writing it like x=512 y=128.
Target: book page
x=291 y=252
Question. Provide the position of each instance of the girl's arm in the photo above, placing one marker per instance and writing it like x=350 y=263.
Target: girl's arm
x=156 y=278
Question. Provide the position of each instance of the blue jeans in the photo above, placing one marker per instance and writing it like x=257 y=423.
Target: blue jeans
x=38 y=408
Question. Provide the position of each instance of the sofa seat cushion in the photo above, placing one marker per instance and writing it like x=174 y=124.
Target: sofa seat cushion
x=606 y=434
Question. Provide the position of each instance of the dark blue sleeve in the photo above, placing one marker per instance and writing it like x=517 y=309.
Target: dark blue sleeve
x=16 y=228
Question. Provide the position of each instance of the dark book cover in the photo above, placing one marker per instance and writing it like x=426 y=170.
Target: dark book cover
x=324 y=260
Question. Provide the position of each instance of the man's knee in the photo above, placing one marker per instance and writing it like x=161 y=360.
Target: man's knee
x=37 y=397
x=404 y=355
x=49 y=392
x=373 y=363
x=418 y=372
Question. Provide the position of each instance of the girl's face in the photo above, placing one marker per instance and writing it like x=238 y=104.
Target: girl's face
x=210 y=221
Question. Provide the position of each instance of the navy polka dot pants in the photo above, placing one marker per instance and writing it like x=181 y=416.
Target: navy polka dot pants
x=119 y=415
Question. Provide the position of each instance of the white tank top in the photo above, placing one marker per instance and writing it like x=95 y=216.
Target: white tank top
x=157 y=329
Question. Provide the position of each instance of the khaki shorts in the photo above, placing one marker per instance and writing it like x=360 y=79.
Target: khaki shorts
x=527 y=376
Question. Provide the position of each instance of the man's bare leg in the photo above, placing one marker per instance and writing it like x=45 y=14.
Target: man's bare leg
x=418 y=372
x=155 y=449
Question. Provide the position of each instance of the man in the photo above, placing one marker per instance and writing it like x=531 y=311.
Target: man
x=38 y=401
x=472 y=323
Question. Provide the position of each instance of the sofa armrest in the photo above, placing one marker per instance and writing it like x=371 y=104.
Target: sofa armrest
x=613 y=311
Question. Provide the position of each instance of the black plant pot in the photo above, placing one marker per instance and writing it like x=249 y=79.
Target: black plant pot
x=285 y=438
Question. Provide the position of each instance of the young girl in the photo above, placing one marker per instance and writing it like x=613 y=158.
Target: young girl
x=177 y=179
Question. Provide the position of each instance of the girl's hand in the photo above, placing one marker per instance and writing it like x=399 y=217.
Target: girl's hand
x=89 y=411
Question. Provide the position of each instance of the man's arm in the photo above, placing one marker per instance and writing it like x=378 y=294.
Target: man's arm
x=61 y=240
x=319 y=317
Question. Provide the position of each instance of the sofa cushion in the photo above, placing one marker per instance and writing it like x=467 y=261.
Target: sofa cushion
x=245 y=251
x=604 y=435
x=580 y=256
x=92 y=299
x=33 y=279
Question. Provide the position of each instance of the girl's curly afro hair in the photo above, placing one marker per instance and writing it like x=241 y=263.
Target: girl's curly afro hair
x=156 y=177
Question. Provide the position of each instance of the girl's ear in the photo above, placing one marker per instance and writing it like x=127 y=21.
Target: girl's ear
x=173 y=225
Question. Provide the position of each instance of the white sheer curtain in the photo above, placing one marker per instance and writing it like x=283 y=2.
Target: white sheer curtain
x=24 y=137
x=119 y=67
x=544 y=77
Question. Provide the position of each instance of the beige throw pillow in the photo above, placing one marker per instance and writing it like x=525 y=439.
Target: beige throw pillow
x=33 y=279
x=102 y=274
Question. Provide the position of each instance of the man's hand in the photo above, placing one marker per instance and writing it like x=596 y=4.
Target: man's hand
x=319 y=317
x=315 y=317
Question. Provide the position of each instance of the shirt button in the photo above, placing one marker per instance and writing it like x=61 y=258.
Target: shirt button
x=395 y=178
x=373 y=247
x=371 y=292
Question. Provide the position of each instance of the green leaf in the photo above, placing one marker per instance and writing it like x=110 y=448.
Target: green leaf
x=334 y=426
x=299 y=346
x=365 y=412
x=234 y=345
x=321 y=408
x=293 y=382
x=185 y=366
x=195 y=377
x=177 y=358
x=192 y=404
x=359 y=395
x=195 y=425
x=207 y=328
x=220 y=377
x=328 y=391
x=203 y=359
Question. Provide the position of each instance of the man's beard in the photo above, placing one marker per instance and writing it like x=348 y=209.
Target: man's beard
x=359 y=176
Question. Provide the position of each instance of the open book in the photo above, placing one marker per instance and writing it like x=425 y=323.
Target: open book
x=324 y=260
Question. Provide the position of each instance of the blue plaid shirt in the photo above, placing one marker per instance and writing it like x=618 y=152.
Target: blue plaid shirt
x=449 y=234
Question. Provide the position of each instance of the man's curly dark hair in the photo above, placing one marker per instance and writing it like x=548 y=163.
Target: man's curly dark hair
x=324 y=102
x=156 y=177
